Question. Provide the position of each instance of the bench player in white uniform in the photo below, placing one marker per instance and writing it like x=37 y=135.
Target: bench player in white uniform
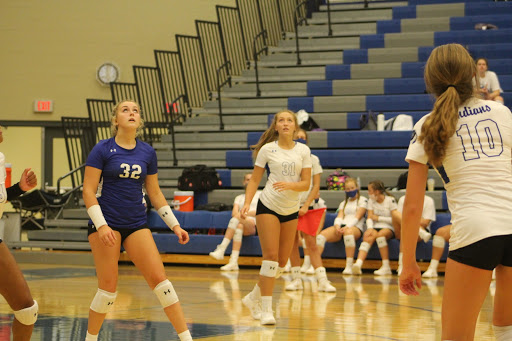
x=383 y=218
x=349 y=223
x=489 y=85
x=469 y=141
x=237 y=229
x=13 y=286
x=307 y=201
x=289 y=166
x=124 y=164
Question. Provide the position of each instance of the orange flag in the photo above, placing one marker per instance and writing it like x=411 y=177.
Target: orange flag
x=308 y=223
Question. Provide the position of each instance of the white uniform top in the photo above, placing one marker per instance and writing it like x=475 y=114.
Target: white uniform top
x=3 y=191
x=429 y=209
x=316 y=168
x=284 y=165
x=240 y=200
x=383 y=209
x=351 y=209
x=476 y=171
x=489 y=81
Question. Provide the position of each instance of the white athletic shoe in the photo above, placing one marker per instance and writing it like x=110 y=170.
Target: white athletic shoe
x=347 y=271
x=305 y=267
x=310 y=271
x=294 y=285
x=430 y=273
x=383 y=271
x=325 y=286
x=218 y=253
x=356 y=269
x=267 y=318
x=231 y=266
x=254 y=306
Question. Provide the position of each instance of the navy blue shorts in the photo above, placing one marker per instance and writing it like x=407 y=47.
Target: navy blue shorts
x=262 y=209
x=486 y=253
x=124 y=231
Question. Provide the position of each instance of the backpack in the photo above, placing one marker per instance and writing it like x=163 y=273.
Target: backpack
x=215 y=207
x=400 y=122
x=402 y=181
x=336 y=180
x=368 y=121
x=199 y=178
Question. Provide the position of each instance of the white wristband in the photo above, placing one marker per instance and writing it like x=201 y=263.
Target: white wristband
x=388 y=220
x=369 y=223
x=96 y=215
x=338 y=222
x=352 y=222
x=168 y=217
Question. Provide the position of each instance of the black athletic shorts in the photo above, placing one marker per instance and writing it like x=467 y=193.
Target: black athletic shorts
x=262 y=209
x=486 y=253
x=124 y=231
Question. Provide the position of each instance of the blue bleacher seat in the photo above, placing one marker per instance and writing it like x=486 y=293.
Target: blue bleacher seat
x=399 y=102
x=298 y=103
x=225 y=177
x=396 y=86
x=473 y=37
x=338 y=71
x=368 y=139
x=369 y=41
x=319 y=88
x=468 y=23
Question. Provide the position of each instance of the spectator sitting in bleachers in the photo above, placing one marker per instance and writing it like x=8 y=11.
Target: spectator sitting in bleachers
x=237 y=228
x=349 y=224
x=383 y=223
x=440 y=238
x=488 y=84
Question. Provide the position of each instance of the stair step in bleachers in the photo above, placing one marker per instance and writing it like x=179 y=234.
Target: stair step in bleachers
x=247 y=90
x=285 y=74
x=58 y=234
x=318 y=44
x=360 y=5
x=75 y=223
x=350 y=15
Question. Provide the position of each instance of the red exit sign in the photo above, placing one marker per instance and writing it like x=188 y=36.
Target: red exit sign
x=43 y=106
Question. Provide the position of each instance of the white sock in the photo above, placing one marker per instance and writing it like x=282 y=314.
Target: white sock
x=90 y=337
x=350 y=262
x=185 y=336
x=225 y=243
x=359 y=262
x=400 y=256
x=307 y=261
x=234 y=256
x=295 y=272
x=266 y=303
x=385 y=262
x=433 y=264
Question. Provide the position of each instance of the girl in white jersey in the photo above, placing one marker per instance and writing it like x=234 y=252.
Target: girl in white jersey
x=124 y=164
x=289 y=166
x=489 y=85
x=307 y=201
x=349 y=224
x=13 y=286
x=382 y=223
x=469 y=141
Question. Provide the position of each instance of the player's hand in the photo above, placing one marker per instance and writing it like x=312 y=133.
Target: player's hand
x=303 y=210
x=107 y=235
x=28 y=180
x=283 y=186
x=410 y=276
x=373 y=217
x=339 y=230
x=183 y=236
x=244 y=212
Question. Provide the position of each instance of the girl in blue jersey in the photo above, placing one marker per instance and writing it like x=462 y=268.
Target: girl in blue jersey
x=289 y=165
x=469 y=142
x=13 y=286
x=115 y=173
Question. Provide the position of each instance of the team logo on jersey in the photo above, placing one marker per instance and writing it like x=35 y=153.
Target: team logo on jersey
x=113 y=150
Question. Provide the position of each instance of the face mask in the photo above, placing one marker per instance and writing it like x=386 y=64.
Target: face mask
x=373 y=197
x=351 y=194
x=301 y=141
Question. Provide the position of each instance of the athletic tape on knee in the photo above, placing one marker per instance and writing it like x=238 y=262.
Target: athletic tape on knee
x=103 y=301
x=269 y=268
x=233 y=223
x=502 y=333
x=239 y=234
x=320 y=240
x=27 y=316
x=365 y=246
x=438 y=241
x=338 y=222
x=349 y=240
x=381 y=242
x=165 y=293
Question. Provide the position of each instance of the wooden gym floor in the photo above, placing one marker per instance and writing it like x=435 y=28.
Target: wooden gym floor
x=363 y=308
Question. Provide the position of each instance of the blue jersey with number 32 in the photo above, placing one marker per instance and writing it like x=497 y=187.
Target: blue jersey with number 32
x=123 y=174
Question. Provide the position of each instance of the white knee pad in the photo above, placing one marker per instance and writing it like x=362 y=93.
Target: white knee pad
x=320 y=240
x=269 y=268
x=502 y=333
x=103 y=301
x=381 y=242
x=233 y=223
x=438 y=241
x=239 y=234
x=165 y=293
x=349 y=240
x=280 y=271
x=365 y=246
x=27 y=316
